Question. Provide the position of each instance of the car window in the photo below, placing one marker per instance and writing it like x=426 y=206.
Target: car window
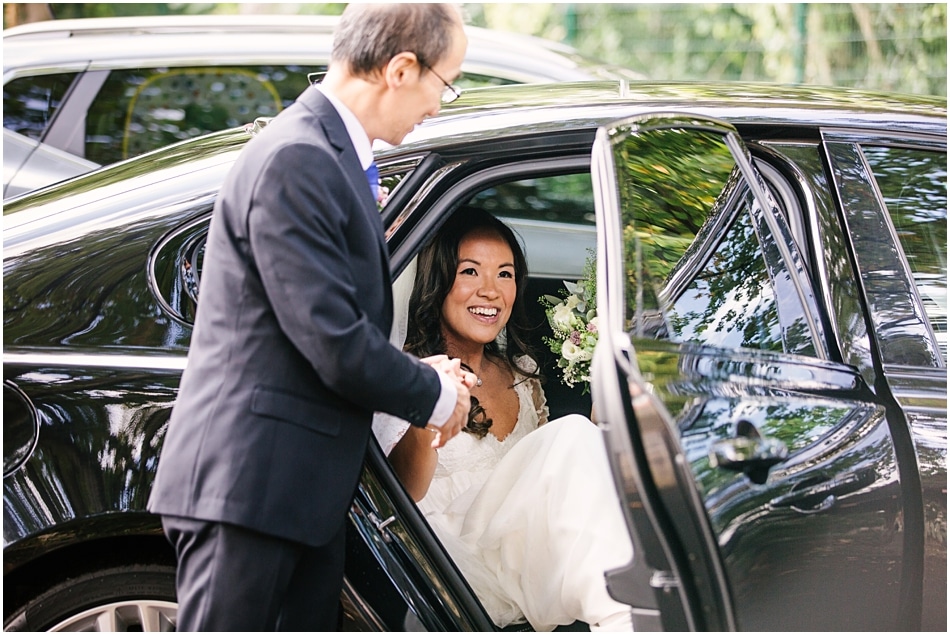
x=906 y=195
x=138 y=110
x=730 y=301
x=567 y=198
x=913 y=183
x=703 y=263
x=29 y=103
x=553 y=215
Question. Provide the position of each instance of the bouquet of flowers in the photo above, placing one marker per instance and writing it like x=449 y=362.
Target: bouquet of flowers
x=573 y=320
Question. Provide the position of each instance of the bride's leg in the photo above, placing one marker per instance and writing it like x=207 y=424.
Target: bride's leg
x=602 y=543
x=549 y=523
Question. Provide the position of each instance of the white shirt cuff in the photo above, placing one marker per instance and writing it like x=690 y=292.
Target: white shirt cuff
x=445 y=406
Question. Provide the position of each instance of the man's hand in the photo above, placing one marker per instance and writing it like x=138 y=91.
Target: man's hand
x=453 y=367
x=464 y=380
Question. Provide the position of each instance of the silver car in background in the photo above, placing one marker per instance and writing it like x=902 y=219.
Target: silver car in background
x=80 y=94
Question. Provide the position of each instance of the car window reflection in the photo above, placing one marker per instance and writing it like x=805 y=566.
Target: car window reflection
x=913 y=183
x=29 y=103
x=138 y=110
x=702 y=264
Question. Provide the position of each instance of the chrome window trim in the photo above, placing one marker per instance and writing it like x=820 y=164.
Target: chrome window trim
x=864 y=136
x=193 y=233
x=86 y=360
x=840 y=154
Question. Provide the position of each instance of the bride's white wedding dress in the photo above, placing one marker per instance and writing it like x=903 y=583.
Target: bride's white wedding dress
x=531 y=520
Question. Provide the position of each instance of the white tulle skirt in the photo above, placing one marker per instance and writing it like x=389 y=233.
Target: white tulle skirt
x=535 y=536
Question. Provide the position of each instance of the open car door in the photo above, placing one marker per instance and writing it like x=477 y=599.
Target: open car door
x=759 y=477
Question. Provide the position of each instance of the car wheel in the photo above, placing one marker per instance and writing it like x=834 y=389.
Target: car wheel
x=120 y=599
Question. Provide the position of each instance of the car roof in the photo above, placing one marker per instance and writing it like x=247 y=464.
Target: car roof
x=108 y=43
x=492 y=111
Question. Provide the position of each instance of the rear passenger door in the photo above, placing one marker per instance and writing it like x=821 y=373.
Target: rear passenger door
x=759 y=477
x=893 y=191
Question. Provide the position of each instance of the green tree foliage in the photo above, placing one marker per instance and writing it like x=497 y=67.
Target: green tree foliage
x=879 y=46
x=895 y=47
x=70 y=10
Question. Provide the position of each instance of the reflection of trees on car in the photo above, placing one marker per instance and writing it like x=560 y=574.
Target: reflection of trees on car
x=730 y=302
x=913 y=184
x=693 y=251
x=676 y=176
x=669 y=183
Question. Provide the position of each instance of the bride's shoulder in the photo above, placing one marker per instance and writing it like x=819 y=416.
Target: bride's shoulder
x=526 y=364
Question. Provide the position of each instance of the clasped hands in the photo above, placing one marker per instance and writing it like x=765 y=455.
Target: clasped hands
x=464 y=381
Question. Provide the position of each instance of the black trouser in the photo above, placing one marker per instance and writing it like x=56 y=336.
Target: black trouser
x=235 y=579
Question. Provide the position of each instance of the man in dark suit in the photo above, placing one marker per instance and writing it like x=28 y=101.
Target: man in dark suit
x=290 y=354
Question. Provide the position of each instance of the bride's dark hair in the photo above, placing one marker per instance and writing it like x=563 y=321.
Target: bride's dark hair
x=435 y=275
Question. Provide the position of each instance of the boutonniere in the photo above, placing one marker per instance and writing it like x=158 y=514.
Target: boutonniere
x=382 y=196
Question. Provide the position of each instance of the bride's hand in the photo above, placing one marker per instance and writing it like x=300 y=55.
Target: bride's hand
x=457 y=419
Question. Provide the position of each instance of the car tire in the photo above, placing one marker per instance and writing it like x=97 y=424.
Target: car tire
x=124 y=598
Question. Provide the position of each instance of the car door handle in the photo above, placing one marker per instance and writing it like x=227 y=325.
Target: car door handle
x=748 y=452
x=817 y=495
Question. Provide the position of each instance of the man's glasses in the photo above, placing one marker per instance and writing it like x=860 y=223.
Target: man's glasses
x=450 y=93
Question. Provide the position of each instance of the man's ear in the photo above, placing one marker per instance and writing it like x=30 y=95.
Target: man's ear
x=403 y=67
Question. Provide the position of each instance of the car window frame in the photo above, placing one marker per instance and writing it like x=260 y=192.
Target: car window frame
x=835 y=144
x=67 y=129
x=407 y=232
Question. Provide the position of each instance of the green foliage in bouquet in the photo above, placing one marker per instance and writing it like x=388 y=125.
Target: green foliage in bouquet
x=573 y=321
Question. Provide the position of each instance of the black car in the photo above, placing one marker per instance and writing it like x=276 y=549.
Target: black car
x=770 y=372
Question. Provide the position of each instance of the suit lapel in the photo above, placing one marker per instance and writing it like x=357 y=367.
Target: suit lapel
x=335 y=132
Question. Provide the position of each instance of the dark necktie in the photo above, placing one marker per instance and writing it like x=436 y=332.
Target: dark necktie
x=372 y=175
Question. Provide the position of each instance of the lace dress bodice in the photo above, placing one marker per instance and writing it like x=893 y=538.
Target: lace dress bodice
x=466 y=461
x=468 y=452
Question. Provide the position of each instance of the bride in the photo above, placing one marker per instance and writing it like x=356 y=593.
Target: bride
x=525 y=507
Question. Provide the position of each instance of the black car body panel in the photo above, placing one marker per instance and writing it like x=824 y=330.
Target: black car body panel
x=848 y=532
